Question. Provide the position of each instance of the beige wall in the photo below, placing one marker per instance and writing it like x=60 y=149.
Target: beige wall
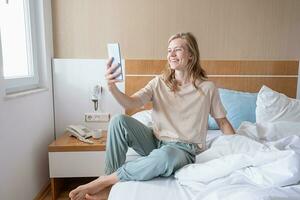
x=226 y=29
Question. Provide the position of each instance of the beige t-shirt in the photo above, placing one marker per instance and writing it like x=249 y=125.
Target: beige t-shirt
x=182 y=116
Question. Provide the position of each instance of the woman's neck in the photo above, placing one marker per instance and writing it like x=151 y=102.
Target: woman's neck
x=182 y=77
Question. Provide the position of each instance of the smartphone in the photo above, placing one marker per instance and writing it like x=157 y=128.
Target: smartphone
x=115 y=53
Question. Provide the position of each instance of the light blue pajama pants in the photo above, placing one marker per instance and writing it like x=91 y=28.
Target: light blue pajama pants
x=159 y=158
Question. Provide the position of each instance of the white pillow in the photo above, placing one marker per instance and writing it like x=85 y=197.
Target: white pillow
x=272 y=106
x=144 y=117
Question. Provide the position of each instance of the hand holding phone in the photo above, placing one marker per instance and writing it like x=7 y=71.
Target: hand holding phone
x=115 y=53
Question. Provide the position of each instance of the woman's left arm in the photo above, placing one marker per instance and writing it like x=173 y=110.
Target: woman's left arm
x=225 y=126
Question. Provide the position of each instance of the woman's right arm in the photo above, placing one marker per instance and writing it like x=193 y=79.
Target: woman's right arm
x=123 y=99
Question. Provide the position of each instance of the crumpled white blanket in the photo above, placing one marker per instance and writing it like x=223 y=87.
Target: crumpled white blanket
x=240 y=160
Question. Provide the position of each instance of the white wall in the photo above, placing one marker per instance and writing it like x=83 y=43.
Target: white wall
x=74 y=80
x=26 y=130
x=26 y=124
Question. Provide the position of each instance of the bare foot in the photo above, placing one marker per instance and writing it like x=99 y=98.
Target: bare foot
x=102 y=195
x=93 y=187
x=78 y=193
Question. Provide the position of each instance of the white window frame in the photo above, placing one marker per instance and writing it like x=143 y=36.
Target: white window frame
x=35 y=28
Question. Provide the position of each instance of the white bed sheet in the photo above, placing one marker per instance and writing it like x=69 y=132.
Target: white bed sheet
x=169 y=188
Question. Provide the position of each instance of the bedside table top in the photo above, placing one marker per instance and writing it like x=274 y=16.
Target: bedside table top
x=66 y=143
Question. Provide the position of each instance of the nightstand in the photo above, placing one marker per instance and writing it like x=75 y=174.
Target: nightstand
x=69 y=157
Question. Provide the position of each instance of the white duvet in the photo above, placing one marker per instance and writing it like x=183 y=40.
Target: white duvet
x=245 y=166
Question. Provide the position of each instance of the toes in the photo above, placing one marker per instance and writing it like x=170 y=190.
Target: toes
x=78 y=197
x=74 y=192
x=71 y=194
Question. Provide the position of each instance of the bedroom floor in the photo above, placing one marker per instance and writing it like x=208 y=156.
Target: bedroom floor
x=70 y=184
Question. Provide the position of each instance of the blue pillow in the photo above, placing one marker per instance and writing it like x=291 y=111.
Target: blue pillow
x=240 y=106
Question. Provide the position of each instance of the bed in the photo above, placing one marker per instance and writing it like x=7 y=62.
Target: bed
x=273 y=172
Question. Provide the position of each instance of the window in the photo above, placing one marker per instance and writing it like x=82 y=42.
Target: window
x=19 y=45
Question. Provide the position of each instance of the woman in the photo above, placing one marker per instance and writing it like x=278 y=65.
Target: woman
x=182 y=100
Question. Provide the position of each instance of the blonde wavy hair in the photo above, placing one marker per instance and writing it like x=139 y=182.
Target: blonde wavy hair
x=194 y=69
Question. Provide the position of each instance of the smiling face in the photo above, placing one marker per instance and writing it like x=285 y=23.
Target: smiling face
x=178 y=54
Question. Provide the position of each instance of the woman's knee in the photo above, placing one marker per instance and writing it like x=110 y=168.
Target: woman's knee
x=116 y=125
x=118 y=121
